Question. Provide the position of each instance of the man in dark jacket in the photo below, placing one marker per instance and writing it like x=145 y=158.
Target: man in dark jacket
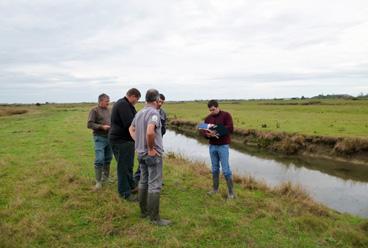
x=99 y=122
x=219 y=145
x=163 y=115
x=122 y=144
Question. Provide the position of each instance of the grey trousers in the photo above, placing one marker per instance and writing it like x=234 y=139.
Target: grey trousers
x=151 y=173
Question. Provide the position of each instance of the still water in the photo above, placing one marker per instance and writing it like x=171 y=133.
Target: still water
x=341 y=186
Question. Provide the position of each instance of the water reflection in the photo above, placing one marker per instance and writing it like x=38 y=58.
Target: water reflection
x=340 y=186
x=343 y=170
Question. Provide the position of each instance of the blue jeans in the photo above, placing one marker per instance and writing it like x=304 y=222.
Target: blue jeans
x=103 y=152
x=220 y=154
x=124 y=155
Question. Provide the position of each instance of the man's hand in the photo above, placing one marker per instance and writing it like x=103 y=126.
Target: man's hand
x=211 y=133
x=105 y=127
x=152 y=152
x=132 y=132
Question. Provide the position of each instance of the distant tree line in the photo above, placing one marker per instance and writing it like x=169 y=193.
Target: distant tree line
x=341 y=96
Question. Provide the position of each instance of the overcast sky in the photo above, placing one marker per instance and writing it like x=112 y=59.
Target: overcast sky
x=71 y=51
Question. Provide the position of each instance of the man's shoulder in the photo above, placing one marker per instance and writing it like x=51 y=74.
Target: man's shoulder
x=146 y=111
x=153 y=114
x=94 y=109
x=225 y=113
x=152 y=110
x=162 y=112
x=122 y=103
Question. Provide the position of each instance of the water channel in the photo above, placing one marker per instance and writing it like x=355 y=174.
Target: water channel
x=340 y=186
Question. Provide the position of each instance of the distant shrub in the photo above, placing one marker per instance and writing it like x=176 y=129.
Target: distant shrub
x=7 y=111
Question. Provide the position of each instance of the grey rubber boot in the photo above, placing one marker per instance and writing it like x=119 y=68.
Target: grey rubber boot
x=142 y=198
x=216 y=182
x=105 y=173
x=154 y=210
x=98 y=174
x=229 y=182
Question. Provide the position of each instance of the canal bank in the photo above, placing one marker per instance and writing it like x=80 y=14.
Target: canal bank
x=341 y=186
x=341 y=149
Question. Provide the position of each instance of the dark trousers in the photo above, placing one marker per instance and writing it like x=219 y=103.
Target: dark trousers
x=137 y=175
x=124 y=155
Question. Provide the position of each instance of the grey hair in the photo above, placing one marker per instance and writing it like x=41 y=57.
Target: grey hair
x=103 y=96
x=152 y=95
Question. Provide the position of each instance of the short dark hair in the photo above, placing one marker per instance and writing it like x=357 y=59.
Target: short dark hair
x=152 y=95
x=212 y=103
x=134 y=92
x=162 y=97
x=103 y=96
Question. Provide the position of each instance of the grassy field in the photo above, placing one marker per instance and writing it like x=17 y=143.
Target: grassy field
x=313 y=117
x=46 y=177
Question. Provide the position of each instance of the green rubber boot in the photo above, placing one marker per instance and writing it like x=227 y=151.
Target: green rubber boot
x=106 y=174
x=216 y=182
x=98 y=174
x=142 y=198
x=230 y=191
x=154 y=210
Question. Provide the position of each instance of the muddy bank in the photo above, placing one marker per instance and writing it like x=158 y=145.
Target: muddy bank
x=353 y=150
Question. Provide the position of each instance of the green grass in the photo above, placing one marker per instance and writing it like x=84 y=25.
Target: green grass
x=46 y=177
x=326 y=117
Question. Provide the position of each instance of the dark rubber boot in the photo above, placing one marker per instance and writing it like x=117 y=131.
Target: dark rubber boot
x=229 y=182
x=131 y=198
x=105 y=173
x=142 y=198
x=98 y=174
x=216 y=182
x=154 y=210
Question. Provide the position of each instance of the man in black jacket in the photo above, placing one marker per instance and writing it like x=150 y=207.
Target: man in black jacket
x=163 y=115
x=122 y=144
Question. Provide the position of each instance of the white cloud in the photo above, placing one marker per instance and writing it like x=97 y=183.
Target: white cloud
x=274 y=48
